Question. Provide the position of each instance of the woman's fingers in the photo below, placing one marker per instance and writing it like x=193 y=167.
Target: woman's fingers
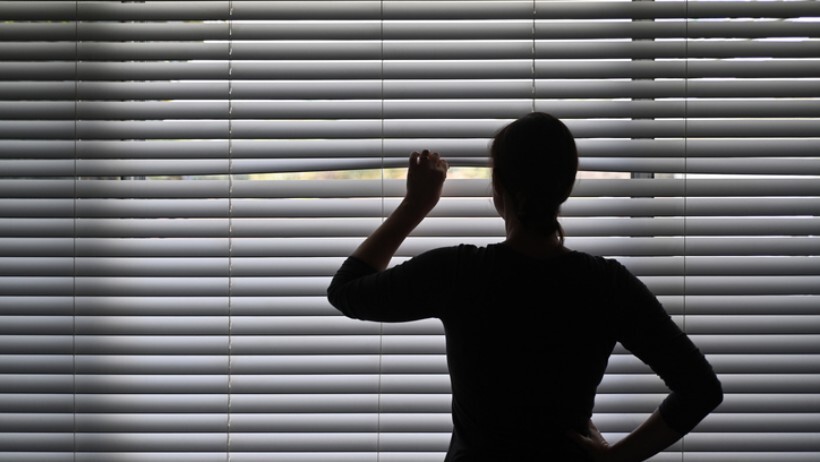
x=425 y=177
x=427 y=157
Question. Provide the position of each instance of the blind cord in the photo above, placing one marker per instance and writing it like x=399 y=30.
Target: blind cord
x=230 y=225
x=685 y=153
x=382 y=214
x=74 y=235
x=532 y=54
x=686 y=173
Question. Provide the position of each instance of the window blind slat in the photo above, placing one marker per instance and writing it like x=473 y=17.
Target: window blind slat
x=340 y=247
x=409 y=89
x=317 y=306
x=484 y=69
x=354 y=111
x=464 y=207
x=324 y=266
x=366 y=109
x=331 y=29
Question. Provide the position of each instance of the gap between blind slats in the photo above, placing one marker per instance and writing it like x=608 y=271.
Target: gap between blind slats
x=392 y=188
x=28 y=152
x=164 y=167
x=283 y=189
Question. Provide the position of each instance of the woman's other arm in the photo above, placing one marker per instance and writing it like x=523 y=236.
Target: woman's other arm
x=645 y=329
x=650 y=438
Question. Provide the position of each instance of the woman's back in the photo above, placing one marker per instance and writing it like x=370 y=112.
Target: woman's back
x=527 y=344
x=528 y=339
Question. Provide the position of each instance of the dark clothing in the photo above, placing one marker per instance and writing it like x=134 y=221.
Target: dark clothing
x=528 y=341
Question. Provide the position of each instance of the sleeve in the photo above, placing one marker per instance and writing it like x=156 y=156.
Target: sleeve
x=648 y=332
x=418 y=288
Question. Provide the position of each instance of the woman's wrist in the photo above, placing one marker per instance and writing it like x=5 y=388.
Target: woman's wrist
x=413 y=209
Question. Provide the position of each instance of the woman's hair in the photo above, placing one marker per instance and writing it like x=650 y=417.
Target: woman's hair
x=534 y=161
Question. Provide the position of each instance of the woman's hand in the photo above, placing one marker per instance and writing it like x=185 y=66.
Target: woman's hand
x=425 y=179
x=594 y=444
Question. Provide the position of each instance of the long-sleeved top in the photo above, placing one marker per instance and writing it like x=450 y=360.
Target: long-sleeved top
x=528 y=341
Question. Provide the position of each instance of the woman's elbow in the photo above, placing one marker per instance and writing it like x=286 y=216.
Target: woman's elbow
x=334 y=297
x=337 y=299
x=711 y=394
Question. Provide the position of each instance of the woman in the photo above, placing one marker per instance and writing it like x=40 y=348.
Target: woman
x=529 y=323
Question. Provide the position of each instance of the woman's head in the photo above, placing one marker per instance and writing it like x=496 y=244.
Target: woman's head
x=534 y=161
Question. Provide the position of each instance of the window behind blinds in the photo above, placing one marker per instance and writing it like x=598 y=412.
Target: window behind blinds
x=179 y=180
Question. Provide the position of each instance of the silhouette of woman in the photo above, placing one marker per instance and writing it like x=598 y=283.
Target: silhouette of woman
x=529 y=323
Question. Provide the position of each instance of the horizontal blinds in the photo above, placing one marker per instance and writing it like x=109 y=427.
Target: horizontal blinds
x=162 y=299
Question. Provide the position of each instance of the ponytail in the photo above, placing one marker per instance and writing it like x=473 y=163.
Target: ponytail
x=535 y=162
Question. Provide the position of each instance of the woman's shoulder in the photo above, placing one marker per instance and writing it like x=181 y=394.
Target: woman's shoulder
x=498 y=252
x=607 y=263
x=468 y=255
x=601 y=271
x=460 y=258
x=465 y=250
